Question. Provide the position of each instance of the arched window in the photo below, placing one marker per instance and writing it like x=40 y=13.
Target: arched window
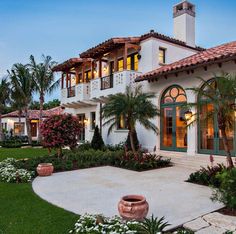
x=173 y=125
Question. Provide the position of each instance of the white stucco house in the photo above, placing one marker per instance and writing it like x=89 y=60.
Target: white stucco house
x=164 y=65
x=14 y=123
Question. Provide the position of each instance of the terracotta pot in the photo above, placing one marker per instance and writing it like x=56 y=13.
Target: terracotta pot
x=133 y=207
x=45 y=169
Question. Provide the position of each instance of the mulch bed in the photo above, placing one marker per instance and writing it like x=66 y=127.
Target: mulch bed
x=227 y=211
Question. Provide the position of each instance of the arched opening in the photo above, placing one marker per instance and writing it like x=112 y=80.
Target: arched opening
x=209 y=137
x=173 y=124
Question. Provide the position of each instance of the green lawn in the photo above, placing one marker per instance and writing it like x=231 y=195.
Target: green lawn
x=23 y=212
x=20 y=153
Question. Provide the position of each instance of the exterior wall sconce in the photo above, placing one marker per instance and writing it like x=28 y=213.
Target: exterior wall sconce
x=139 y=56
x=85 y=121
x=188 y=115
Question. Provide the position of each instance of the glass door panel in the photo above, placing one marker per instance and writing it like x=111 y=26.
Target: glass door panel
x=81 y=118
x=206 y=129
x=181 y=128
x=167 y=138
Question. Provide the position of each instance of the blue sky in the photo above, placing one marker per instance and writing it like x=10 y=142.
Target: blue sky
x=64 y=28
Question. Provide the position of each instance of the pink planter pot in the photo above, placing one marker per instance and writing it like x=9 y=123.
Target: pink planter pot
x=133 y=207
x=45 y=169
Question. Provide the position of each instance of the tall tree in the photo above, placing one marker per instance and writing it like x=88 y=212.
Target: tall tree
x=22 y=84
x=44 y=81
x=133 y=105
x=4 y=99
x=221 y=93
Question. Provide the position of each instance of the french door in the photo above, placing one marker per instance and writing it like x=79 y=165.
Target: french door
x=209 y=136
x=81 y=118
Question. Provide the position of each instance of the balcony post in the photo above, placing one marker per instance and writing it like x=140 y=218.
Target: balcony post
x=125 y=56
x=115 y=61
x=83 y=73
x=62 y=80
x=76 y=75
x=100 y=68
x=92 y=69
x=67 y=79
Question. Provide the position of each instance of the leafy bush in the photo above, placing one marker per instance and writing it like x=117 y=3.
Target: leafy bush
x=11 y=143
x=97 y=141
x=226 y=193
x=59 y=131
x=85 y=146
x=207 y=176
x=11 y=174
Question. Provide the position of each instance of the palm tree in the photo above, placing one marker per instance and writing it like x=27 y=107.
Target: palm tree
x=4 y=99
x=221 y=93
x=135 y=106
x=44 y=81
x=23 y=85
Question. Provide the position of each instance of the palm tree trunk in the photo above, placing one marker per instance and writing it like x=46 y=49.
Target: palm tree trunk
x=131 y=137
x=27 y=120
x=40 y=117
x=226 y=147
x=1 y=130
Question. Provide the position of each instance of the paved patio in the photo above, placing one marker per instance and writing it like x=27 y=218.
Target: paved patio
x=98 y=190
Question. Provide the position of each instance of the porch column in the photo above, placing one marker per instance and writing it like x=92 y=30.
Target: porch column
x=100 y=68
x=115 y=61
x=62 y=80
x=83 y=71
x=67 y=79
x=92 y=69
x=76 y=75
x=125 y=56
x=192 y=130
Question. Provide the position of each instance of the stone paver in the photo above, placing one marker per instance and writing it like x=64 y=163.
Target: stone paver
x=98 y=190
x=211 y=230
x=196 y=224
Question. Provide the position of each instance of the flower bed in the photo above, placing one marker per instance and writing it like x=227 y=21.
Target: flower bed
x=10 y=173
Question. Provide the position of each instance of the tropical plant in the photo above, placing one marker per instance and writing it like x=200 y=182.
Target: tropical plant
x=4 y=99
x=44 y=81
x=226 y=193
x=51 y=104
x=23 y=86
x=59 y=131
x=152 y=225
x=221 y=93
x=97 y=142
x=135 y=106
x=136 y=141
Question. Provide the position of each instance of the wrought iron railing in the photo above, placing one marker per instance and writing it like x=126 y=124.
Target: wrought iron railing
x=71 y=91
x=107 y=82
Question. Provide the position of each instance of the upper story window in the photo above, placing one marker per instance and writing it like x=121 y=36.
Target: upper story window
x=132 y=62
x=88 y=75
x=120 y=64
x=122 y=123
x=162 y=55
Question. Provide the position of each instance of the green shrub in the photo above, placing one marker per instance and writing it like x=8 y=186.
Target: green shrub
x=97 y=141
x=84 y=146
x=14 y=143
x=226 y=193
x=207 y=176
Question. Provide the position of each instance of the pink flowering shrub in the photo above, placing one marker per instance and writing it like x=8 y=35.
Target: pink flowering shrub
x=59 y=131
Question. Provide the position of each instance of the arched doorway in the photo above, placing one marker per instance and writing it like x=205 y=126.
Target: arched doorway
x=209 y=137
x=173 y=125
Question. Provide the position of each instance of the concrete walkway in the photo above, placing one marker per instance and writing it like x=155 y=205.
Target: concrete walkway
x=98 y=190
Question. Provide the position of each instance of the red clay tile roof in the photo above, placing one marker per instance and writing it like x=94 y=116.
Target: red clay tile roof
x=160 y=36
x=225 y=52
x=107 y=46
x=69 y=64
x=34 y=114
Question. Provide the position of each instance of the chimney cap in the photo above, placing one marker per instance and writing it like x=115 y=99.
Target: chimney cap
x=184 y=7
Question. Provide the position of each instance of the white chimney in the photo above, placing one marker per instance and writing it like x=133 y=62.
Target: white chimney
x=184 y=22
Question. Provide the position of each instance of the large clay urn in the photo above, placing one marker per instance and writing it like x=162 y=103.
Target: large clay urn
x=45 y=169
x=133 y=207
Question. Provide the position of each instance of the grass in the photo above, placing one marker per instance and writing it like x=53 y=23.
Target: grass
x=22 y=211
x=19 y=153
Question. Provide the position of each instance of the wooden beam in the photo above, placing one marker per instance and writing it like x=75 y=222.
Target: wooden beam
x=100 y=68
x=92 y=69
x=83 y=71
x=134 y=46
x=67 y=80
x=115 y=61
x=76 y=75
x=62 y=80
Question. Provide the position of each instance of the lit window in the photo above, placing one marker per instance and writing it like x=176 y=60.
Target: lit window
x=80 y=78
x=122 y=123
x=93 y=120
x=129 y=63
x=136 y=62
x=120 y=65
x=162 y=55
x=19 y=129
x=88 y=75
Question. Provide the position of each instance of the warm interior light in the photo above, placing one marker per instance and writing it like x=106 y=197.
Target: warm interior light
x=188 y=115
x=85 y=120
